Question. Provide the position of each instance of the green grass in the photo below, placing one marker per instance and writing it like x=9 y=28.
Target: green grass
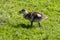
x=14 y=27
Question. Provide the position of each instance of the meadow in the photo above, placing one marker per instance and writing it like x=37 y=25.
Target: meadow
x=13 y=26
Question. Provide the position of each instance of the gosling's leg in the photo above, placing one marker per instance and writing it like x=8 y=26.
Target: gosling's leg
x=39 y=24
x=31 y=23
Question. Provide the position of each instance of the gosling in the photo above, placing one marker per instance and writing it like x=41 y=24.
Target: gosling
x=33 y=16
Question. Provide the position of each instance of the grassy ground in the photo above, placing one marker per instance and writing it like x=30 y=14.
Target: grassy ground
x=14 y=27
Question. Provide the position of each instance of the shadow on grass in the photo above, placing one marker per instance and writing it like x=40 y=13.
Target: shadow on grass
x=23 y=26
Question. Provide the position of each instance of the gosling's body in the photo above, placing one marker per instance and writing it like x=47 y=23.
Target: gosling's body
x=33 y=16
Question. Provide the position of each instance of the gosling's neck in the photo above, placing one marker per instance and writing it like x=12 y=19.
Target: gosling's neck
x=25 y=13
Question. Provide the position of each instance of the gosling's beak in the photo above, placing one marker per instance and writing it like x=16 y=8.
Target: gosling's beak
x=20 y=12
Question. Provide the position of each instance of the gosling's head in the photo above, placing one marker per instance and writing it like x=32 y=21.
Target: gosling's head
x=23 y=11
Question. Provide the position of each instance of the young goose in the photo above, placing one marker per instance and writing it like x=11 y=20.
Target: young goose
x=33 y=16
